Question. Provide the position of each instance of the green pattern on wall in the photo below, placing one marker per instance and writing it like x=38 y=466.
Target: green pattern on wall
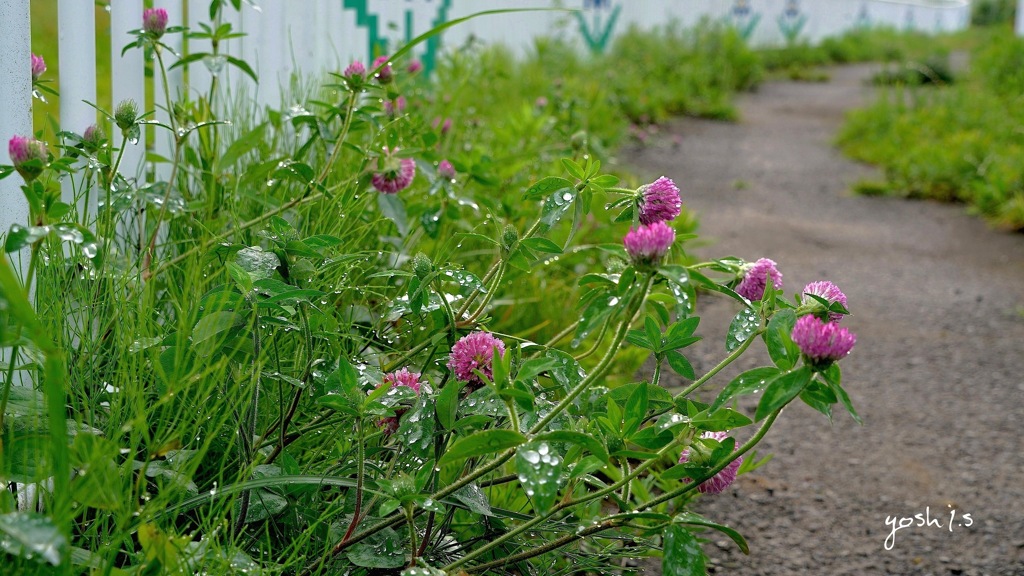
x=378 y=44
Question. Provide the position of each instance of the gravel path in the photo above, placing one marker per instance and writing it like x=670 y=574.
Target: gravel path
x=937 y=374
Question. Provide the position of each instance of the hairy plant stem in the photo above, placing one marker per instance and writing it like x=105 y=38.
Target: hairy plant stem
x=550 y=546
x=721 y=365
x=360 y=473
x=606 y=361
x=656 y=378
x=338 y=143
x=248 y=425
x=411 y=520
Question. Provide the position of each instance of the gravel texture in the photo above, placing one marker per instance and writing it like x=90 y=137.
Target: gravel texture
x=937 y=374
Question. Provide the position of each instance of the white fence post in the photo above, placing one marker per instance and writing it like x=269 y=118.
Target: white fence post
x=76 y=43
x=128 y=76
x=16 y=103
x=1020 y=18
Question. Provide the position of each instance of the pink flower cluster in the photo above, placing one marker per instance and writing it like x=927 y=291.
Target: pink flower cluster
x=355 y=70
x=395 y=107
x=648 y=244
x=828 y=291
x=402 y=377
x=395 y=174
x=385 y=75
x=658 y=201
x=23 y=150
x=719 y=482
x=822 y=343
x=154 y=21
x=446 y=170
x=755 y=280
x=474 y=351
x=38 y=67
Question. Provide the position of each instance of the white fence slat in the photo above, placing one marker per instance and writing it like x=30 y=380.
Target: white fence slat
x=76 y=44
x=128 y=76
x=16 y=103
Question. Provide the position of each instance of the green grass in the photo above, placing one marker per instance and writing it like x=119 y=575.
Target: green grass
x=959 y=143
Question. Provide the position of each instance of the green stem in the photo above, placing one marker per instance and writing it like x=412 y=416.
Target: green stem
x=413 y=546
x=338 y=144
x=360 y=473
x=721 y=365
x=656 y=378
x=550 y=546
x=606 y=361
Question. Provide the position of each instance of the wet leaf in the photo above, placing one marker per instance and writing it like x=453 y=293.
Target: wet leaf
x=683 y=556
x=782 y=390
x=481 y=443
x=783 y=351
x=698 y=520
x=31 y=536
x=749 y=382
x=540 y=473
x=741 y=328
x=381 y=550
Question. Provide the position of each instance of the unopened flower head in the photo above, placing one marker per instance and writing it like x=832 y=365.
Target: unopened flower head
x=355 y=70
x=474 y=351
x=38 y=67
x=126 y=114
x=395 y=174
x=395 y=107
x=23 y=151
x=719 y=482
x=385 y=75
x=415 y=66
x=828 y=291
x=647 y=245
x=94 y=136
x=822 y=343
x=446 y=170
x=444 y=125
x=402 y=377
x=154 y=21
x=658 y=201
x=755 y=279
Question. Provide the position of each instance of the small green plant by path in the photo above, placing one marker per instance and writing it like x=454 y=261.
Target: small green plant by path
x=957 y=143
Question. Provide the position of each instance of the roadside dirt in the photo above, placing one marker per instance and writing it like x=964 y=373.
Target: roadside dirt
x=937 y=374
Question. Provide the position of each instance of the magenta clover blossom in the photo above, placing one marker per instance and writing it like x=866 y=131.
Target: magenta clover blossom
x=658 y=201
x=822 y=343
x=647 y=245
x=474 y=352
x=755 y=279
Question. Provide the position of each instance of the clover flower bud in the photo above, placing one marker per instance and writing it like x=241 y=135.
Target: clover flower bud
x=446 y=170
x=154 y=21
x=126 y=114
x=510 y=236
x=38 y=67
x=422 y=265
x=721 y=481
x=385 y=75
x=24 y=152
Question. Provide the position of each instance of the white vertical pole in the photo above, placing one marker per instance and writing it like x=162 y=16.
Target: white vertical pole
x=76 y=43
x=16 y=103
x=163 y=140
x=15 y=120
x=272 y=56
x=198 y=74
x=1020 y=18
x=128 y=76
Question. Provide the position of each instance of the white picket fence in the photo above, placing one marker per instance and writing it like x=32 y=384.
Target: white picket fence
x=310 y=36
